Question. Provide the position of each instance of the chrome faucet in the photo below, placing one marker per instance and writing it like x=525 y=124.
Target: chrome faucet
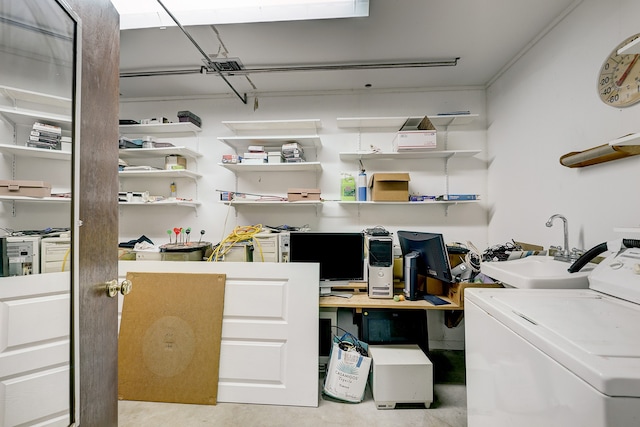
x=566 y=253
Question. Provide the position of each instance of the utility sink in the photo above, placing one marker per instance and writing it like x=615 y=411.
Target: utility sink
x=537 y=272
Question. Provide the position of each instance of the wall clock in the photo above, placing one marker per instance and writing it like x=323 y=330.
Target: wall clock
x=619 y=78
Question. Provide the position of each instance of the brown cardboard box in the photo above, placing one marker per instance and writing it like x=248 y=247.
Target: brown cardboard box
x=175 y=161
x=25 y=188
x=456 y=290
x=437 y=287
x=389 y=187
x=299 y=194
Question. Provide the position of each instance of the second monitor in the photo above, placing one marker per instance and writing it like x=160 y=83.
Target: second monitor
x=424 y=254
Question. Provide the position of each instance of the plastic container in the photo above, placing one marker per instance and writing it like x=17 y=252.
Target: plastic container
x=347 y=188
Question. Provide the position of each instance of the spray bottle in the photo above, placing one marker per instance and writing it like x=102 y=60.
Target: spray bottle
x=362 y=184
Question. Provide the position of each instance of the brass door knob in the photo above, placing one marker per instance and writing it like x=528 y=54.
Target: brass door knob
x=113 y=287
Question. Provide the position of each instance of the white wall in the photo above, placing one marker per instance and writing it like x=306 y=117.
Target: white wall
x=547 y=105
x=459 y=223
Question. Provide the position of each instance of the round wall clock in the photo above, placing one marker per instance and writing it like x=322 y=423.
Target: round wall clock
x=619 y=78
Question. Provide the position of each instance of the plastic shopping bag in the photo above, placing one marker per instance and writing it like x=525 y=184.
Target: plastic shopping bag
x=348 y=371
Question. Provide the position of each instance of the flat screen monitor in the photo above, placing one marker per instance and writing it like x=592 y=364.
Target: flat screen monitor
x=340 y=255
x=432 y=259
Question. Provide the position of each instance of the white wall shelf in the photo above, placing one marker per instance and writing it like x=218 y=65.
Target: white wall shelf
x=362 y=155
x=428 y=202
x=181 y=203
x=171 y=130
x=160 y=173
x=397 y=122
x=17 y=107
x=241 y=142
x=24 y=116
x=35 y=199
x=159 y=128
x=140 y=153
x=273 y=167
x=17 y=95
x=254 y=125
x=256 y=203
x=20 y=150
x=387 y=124
x=272 y=134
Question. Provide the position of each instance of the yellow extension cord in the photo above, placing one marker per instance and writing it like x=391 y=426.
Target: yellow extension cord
x=239 y=234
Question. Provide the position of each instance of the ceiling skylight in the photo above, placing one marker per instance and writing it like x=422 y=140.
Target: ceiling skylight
x=149 y=13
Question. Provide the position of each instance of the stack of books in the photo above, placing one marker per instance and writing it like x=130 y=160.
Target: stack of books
x=45 y=136
x=292 y=152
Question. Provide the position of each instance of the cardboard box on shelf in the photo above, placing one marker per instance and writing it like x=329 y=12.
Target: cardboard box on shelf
x=414 y=140
x=175 y=161
x=417 y=123
x=25 y=188
x=300 y=194
x=389 y=187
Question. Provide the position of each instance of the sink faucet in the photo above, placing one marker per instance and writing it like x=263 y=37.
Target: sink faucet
x=566 y=253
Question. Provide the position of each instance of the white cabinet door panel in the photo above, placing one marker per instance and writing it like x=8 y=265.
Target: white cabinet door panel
x=269 y=347
x=34 y=349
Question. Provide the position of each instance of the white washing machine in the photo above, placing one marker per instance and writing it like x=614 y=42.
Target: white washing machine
x=565 y=357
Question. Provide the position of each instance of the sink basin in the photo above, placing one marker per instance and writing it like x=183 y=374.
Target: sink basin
x=537 y=272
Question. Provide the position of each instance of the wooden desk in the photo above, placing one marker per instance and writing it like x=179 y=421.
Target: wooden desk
x=361 y=300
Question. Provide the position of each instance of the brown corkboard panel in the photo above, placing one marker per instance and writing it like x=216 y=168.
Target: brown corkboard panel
x=170 y=333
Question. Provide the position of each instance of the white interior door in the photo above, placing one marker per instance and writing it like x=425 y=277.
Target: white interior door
x=34 y=350
x=269 y=348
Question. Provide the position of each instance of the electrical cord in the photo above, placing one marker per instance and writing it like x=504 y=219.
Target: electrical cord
x=239 y=234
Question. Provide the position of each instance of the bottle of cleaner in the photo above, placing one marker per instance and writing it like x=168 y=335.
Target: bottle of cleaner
x=347 y=187
x=362 y=184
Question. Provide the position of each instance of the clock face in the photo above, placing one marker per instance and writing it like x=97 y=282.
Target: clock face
x=619 y=78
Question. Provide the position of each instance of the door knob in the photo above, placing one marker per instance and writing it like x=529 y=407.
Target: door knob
x=113 y=287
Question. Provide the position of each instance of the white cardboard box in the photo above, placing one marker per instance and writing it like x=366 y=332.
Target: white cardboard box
x=414 y=140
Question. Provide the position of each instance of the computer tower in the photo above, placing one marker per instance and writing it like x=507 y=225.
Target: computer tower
x=271 y=247
x=20 y=255
x=266 y=247
x=55 y=254
x=379 y=252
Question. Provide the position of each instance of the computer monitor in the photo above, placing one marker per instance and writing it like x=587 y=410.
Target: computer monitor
x=340 y=255
x=429 y=253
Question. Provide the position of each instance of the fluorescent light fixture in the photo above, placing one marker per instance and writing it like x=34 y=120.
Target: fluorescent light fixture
x=149 y=14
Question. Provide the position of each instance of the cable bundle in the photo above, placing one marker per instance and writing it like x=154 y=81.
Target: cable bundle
x=500 y=252
x=239 y=234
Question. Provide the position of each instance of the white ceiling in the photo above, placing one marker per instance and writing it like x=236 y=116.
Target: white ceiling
x=485 y=34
